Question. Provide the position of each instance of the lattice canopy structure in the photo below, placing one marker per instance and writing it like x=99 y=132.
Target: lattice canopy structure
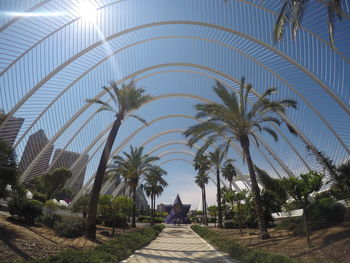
x=56 y=54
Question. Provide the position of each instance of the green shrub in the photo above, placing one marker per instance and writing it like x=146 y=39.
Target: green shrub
x=39 y=196
x=121 y=221
x=144 y=219
x=49 y=219
x=243 y=254
x=212 y=219
x=70 y=227
x=109 y=252
x=230 y=224
x=25 y=209
x=322 y=213
x=159 y=220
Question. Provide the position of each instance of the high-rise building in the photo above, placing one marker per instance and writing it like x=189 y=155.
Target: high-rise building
x=11 y=129
x=66 y=159
x=36 y=142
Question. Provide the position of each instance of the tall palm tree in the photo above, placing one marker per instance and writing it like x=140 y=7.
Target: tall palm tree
x=216 y=159
x=293 y=11
x=202 y=165
x=132 y=166
x=154 y=186
x=228 y=171
x=125 y=99
x=3 y=116
x=235 y=119
x=201 y=180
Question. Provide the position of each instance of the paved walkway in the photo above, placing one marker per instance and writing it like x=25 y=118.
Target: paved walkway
x=178 y=244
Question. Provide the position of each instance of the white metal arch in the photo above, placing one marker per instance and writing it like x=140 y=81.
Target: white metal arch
x=328 y=90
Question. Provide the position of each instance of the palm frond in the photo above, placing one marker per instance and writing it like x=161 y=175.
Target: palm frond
x=291 y=129
x=281 y=22
x=272 y=133
x=229 y=99
x=113 y=96
x=255 y=139
x=105 y=105
x=298 y=8
x=139 y=119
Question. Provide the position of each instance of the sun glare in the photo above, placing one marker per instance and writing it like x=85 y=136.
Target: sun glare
x=87 y=10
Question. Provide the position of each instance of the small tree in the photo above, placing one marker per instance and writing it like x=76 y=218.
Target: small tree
x=300 y=189
x=213 y=212
x=8 y=168
x=120 y=205
x=82 y=205
x=236 y=198
x=340 y=180
x=54 y=182
x=105 y=207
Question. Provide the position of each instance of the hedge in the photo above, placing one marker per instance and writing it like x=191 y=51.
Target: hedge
x=115 y=250
x=237 y=251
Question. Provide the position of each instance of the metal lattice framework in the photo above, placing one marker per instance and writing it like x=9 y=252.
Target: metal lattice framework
x=52 y=59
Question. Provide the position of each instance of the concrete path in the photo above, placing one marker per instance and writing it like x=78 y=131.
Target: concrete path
x=178 y=244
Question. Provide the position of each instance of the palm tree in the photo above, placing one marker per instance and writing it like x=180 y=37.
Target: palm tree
x=202 y=165
x=3 y=116
x=229 y=172
x=216 y=159
x=201 y=180
x=125 y=99
x=292 y=12
x=236 y=120
x=154 y=187
x=132 y=167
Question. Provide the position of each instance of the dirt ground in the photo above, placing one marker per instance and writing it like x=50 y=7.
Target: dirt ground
x=328 y=245
x=26 y=242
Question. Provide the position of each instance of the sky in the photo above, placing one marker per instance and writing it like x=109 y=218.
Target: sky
x=186 y=58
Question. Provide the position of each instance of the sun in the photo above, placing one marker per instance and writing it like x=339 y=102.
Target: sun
x=87 y=10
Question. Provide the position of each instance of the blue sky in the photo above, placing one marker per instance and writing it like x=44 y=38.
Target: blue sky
x=197 y=45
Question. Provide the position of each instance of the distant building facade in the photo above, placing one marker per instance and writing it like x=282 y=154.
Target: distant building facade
x=36 y=142
x=11 y=129
x=65 y=159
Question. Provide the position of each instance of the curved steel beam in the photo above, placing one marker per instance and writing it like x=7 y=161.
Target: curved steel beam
x=187 y=161
x=87 y=105
x=189 y=153
x=198 y=38
x=181 y=143
x=318 y=37
x=329 y=91
x=15 y=19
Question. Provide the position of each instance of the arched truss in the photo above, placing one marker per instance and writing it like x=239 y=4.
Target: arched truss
x=308 y=142
x=100 y=95
x=137 y=131
x=317 y=69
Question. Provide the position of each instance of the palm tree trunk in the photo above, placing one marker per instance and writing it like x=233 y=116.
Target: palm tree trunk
x=133 y=222
x=90 y=229
x=239 y=218
x=152 y=209
x=306 y=226
x=219 y=197
x=205 y=206
x=255 y=189
x=153 y=212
